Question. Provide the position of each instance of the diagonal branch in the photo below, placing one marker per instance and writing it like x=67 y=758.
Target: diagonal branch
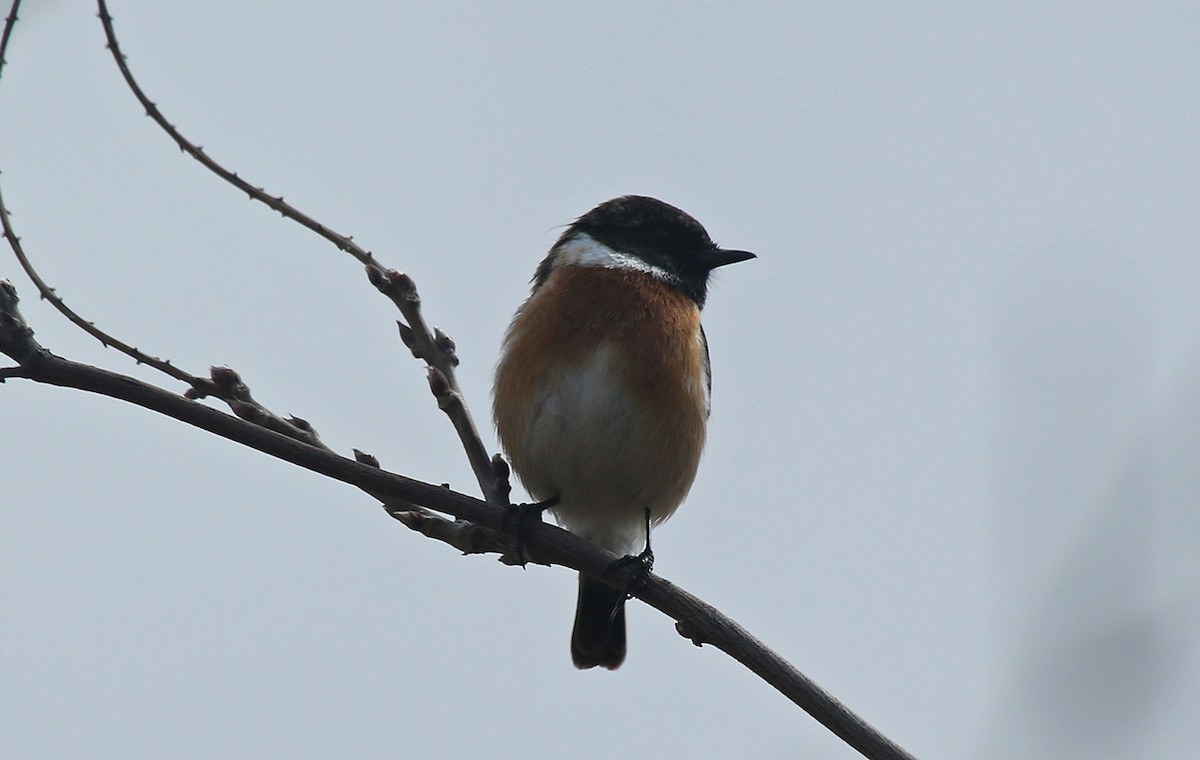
x=223 y=383
x=437 y=350
x=479 y=525
x=276 y=203
x=9 y=22
x=201 y=386
x=434 y=347
x=697 y=620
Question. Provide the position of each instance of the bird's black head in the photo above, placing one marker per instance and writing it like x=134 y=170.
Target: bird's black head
x=665 y=238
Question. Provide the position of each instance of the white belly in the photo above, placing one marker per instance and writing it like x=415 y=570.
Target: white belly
x=609 y=456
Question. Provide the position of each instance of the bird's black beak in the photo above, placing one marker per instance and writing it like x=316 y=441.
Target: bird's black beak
x=719 y=257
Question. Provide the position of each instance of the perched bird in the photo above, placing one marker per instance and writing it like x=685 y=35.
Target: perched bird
x=602 y=389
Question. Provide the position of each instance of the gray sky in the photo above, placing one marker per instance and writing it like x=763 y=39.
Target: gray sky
x=952 y=471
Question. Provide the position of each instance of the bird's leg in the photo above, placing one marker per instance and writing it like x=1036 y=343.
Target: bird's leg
x=644 y=562
x=518 y=517
x=647 y=556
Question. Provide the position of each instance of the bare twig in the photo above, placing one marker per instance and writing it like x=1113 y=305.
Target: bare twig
x=236 y=393
x=199 y=384
x=222 y=382
x=9 y=22
x=276 y=203
x=551 y=545
x=437 y=350
x=479 y=525
x=466 y=536
x=434 y=347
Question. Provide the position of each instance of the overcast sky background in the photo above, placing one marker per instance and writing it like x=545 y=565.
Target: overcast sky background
x=953 y=462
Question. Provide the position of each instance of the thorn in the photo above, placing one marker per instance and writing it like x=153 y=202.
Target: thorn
x=229 y=383
x=445 y=344
x=377 y=276
x=365 y=458
x=500 y=467
x=401 y=282
x=688 y=631
x=406 y=334
x=247 y=411
x=438 y=383
x=411 y=519
x=501 y=471
x=224 y=375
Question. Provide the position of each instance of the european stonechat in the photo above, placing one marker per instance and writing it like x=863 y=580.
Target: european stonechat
x=602 y=389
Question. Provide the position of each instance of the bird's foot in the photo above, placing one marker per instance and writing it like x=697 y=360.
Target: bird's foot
x=518 y=518
x=643 y=564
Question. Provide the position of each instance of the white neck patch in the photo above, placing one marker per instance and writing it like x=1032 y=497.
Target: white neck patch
x=585 y=251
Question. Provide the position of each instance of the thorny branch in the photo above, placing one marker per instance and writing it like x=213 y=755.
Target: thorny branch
x=479 y=526
x=343 y=242
x=435 y=348
x=698 y=621
x=200 y=386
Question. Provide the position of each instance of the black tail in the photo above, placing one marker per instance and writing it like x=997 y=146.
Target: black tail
x=599 y=635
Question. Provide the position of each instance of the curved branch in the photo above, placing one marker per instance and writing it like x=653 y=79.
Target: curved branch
x=199 y=385
x=343 y=242
x=437 y=350
x=223 y=383
x=696 y=620
x=9 y=22
x=434 y=347
x=547 y=544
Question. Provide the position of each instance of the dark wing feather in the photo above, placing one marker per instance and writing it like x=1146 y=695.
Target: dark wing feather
x=707 y=371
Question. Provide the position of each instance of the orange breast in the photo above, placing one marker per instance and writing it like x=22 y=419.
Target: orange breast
x=601 y=397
